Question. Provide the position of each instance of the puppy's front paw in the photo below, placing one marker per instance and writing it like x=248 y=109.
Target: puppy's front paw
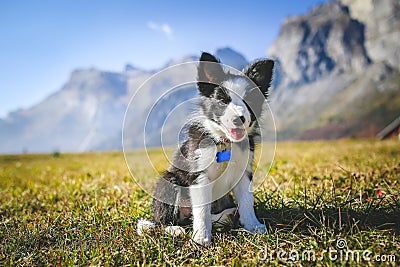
x=202 y=238
x=256 y=228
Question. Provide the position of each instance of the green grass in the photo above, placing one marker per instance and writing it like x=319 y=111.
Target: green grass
x=82 y=209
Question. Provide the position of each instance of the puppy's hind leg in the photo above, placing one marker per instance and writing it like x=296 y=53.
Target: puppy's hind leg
x=165 y=205
x=163 y=213
x=166 y=216
x=161 y=219
x=170 y=206
x=166 y=208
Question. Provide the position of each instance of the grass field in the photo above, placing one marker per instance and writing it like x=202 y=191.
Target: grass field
x=82 y=209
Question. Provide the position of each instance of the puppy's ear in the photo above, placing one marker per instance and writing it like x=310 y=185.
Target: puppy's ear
x=209 y=74
x=260 y=72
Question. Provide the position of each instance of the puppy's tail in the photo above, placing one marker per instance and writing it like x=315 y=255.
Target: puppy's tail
x=144 y=225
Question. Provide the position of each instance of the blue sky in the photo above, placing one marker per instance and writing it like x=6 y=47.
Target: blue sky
x=42 y=41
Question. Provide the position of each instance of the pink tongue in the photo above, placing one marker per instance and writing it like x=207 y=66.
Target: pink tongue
x=237 y=133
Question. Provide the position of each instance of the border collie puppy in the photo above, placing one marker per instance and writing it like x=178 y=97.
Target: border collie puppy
x=217 y=155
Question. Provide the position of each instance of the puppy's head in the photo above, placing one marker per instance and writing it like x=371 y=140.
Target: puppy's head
x=232 y=103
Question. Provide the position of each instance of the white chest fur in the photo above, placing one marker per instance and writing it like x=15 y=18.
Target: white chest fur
x=225 y=175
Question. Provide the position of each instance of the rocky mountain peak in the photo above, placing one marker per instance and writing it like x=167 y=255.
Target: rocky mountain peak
x=312 y=46
x=337 y=71
x=130 y=67
x=99 y=83
x=382 y=28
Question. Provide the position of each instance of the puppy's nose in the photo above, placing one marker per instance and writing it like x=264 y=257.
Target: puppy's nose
x=239 y=120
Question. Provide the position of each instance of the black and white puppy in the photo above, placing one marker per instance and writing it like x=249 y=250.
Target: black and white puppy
x=217 y=156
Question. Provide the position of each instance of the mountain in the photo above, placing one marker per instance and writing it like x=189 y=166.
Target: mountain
x=87 y=113
x=81 y=115
x=337 y=71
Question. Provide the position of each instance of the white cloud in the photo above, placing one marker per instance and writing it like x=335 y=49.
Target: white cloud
x=164 y=28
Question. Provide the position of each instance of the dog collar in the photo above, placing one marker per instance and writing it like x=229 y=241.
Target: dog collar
x=224 y=155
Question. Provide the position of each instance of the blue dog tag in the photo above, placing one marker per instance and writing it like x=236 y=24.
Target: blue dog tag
x=223 y=156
